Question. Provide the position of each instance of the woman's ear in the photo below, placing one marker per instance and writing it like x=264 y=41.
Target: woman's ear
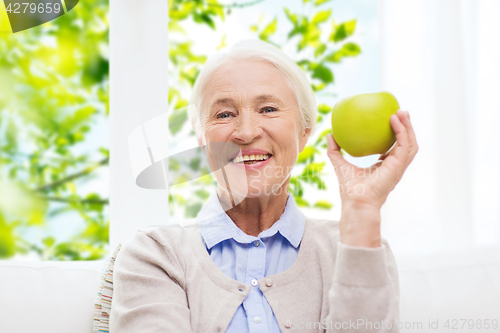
x=303 y=139
x=202 y=143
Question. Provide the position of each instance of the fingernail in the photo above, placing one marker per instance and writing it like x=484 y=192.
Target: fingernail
x=408 y=114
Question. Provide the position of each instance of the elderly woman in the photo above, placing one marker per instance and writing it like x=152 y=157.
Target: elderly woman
x=257 y=264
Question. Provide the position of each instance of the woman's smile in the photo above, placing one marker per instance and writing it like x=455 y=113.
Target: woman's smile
x=251 y=159
x=250 y=165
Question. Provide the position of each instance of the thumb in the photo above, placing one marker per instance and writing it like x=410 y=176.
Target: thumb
x=333 y=151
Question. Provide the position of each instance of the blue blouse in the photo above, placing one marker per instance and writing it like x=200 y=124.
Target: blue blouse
x=248 y=258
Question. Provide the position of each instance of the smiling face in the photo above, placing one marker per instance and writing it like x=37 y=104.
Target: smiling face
x=250 y=105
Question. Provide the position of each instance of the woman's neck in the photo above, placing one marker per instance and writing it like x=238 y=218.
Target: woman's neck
x=254 y=215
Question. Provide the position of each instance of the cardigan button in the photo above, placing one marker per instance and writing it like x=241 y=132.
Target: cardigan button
x=269 y=282
x=288 y=324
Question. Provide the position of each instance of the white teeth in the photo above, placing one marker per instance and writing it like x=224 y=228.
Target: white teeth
x=239 y=159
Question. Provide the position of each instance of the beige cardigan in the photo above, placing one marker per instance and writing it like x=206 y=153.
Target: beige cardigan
x=165 y=281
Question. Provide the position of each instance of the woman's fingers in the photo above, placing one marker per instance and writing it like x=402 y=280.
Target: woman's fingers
x=380 y=160
x=333 y=151
x=412 y=141
x=400 y=151
x=338 y=161
x=383 y=156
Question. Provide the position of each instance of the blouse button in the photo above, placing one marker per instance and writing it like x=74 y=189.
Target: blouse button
x=254 y=282
x=256 y=243
x=257 y=320
x=269 y=282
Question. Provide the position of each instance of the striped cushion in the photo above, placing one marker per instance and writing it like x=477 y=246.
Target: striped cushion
x=102 y=306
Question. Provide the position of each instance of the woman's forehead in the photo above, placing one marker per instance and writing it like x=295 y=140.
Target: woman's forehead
x=227 y=100
x=256 y=81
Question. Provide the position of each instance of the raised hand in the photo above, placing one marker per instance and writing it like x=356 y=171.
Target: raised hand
x=363 y=191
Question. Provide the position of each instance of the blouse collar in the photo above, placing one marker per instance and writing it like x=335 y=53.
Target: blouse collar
x=216 y=226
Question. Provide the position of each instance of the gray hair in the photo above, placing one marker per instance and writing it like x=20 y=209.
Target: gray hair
x=255 y=49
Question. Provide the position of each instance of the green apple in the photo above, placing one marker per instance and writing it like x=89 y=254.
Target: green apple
x=360 y=124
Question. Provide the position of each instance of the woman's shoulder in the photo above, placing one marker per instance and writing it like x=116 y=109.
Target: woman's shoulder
x=172 y=232
x=156 y=250
x=171 y=239
x=321 y=234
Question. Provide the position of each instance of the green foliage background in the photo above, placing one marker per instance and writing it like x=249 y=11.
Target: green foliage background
x=319 y=42
x=54 y=90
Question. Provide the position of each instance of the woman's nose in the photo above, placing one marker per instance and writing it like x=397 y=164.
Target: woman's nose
x=248 y=128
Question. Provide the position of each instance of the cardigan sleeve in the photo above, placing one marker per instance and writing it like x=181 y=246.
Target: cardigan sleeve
x=148 y=291
x=364 y=296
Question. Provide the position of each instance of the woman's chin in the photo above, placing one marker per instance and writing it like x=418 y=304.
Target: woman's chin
x=247 y=184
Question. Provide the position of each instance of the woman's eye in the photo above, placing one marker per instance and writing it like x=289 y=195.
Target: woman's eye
x=269 y=109
x=223 y=115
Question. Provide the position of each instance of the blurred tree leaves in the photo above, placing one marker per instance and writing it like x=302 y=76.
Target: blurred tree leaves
x=268 y=30
x=342 y=31
x=53 y=92
x=347 y=50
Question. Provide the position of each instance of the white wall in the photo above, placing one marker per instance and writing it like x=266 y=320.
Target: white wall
x=441 y=60
x=138 y=93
